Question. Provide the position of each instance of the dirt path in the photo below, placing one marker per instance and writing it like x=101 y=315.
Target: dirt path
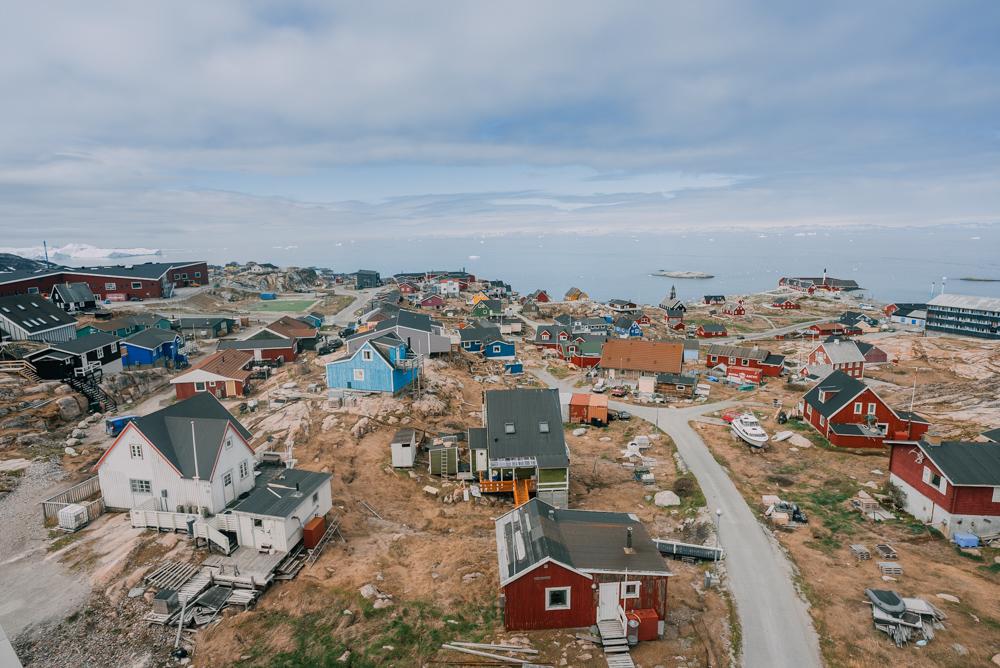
x=36 y=588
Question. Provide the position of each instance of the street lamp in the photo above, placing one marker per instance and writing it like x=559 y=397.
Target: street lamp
x=718 y=536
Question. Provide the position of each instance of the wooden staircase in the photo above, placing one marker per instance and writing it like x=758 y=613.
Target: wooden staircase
x=522 y=491
x=615 y=644
x=89 y=387
x=22 y=368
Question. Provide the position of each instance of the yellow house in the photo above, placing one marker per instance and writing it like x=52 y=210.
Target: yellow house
x=479 y=297
x=575 y=295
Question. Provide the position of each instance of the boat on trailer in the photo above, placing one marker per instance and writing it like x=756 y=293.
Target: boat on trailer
x=748 y=429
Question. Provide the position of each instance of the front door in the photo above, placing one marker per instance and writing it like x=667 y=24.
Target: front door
x=228 y=489
x=607 y=602
x=481 y=460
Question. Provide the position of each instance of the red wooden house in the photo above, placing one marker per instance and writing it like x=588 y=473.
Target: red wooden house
x=711 y=330
x=745 y=358
x=838 y=354
x=587 y=408
x=434 y=302
x=576 y=568
x=787 y=305
x=825 y=329
x=734 y=309
x=954 y=486
x=225 y=373
x=852 y=415
x=643 y=319
x=273 y=350
x=540 y=296
x=407 y=288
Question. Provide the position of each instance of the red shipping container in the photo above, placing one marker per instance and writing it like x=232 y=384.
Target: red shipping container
x=648 y=623
x=313 y=531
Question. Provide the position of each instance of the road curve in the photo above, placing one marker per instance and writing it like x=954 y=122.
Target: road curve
x=776 y=627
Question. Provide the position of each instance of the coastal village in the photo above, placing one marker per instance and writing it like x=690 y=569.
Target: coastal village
x=254 y=465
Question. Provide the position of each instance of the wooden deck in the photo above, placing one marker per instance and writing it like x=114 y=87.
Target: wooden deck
x=245 y=567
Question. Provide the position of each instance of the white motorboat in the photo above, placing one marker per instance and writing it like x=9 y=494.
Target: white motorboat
x=747 y=428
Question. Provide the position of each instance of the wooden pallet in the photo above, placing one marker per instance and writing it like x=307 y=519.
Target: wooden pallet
x=861 y=552
x=619 y=660
x=886 y=551
x=890 y=568
x=193 y=587
x=171 y=575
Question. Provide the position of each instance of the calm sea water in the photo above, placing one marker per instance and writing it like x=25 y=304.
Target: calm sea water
x=891 y=264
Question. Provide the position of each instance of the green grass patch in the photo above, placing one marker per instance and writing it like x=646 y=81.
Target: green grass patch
x=831 y=520
x=61 y=539
x=282 y=305
x=559 y=372
x=408 y=633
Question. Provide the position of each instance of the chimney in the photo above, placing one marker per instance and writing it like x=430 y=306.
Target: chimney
x=628 y=541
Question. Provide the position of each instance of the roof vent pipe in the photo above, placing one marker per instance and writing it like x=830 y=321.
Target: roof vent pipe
x=628 y=538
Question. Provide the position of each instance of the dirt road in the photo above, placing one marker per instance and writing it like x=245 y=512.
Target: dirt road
x=776 y=628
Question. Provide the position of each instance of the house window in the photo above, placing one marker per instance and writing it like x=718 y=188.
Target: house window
x=996 y=495
x=135 y=450
x=136 y=285
x=229 y=441
x=258 y=523
x=315 y=497
x=543 y=427
x=496 y=349
x=936 y=480
x=100 y=353
x=141 y=486
x=197 y=274
x=114 y=347
x=714 y=358
x=366 y=355
x=244 y=469
x=630 y=590
x=508 y=428
x=359 y=374
x=822 y=420
x=857 y=408
x=110 y=286
x=227 y=479
x=745 y=362
x=871 y=409
x=32 y=291
x=199 y=387
x=557 y=598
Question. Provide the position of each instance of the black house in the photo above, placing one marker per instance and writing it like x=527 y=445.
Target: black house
x=366 y=278
x=73 y=297
x=98 y=353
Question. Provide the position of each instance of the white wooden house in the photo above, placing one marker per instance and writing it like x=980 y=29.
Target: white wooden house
x=404 y=448
x=193 y=454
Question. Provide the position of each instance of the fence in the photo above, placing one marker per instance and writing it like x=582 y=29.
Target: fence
x=79 y=493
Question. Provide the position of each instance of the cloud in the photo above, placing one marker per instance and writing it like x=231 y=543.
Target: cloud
x=458 y=118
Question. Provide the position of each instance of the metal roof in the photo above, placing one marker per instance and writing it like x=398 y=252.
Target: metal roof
x=587 y=541
x=33 y=313
x=151 y=337
x=84 y=344
x=967 y=301
x=537 y=426
x=252 y=344
x=75 y=292
x=279 y=491
x=966 y=462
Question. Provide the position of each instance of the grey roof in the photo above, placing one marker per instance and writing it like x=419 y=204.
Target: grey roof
x=585 y=540
x=253 y=344
x=408 y=319
x=841 y=351
x=675 y=379
x=993 y=434
x=967 y=302
x=477 y=438
x=279 y=491
x=404 y=435
x=84 y=344
x=147 y=270
x=692 y=344
x=966 y=462
x=713 y=327
x=526 y=409
x=169 y=430
x=33 y=313
x=754 y=353
x=75 y=292
x=479 y=333
x=150 y=338
x=192 y=323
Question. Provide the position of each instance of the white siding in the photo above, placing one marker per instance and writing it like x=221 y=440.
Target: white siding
x=229 y=460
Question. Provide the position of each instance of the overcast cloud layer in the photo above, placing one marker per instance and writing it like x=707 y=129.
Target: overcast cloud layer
x=121 y=120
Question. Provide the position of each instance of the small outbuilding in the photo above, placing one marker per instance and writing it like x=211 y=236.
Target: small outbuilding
x=403 y=446
x=589 y=409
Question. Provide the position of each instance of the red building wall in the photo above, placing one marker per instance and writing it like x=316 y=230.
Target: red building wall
x=149 y=288
x=525 y=600
x=584 y=362
x=903 y=462
x=187 y=390
x=896 y=427
x=766 y=369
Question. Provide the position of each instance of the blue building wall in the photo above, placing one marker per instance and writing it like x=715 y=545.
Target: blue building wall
x=472 y=346
x=136 y=355
x=499 y=350
x=378 y=376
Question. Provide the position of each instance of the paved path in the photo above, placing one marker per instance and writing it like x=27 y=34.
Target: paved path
x=346 y=315
x=776 y=627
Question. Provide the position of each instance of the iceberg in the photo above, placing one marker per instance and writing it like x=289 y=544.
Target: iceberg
x=80 y=252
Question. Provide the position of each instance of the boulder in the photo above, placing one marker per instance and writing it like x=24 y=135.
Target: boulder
x=369 y=591
x=580 y=431
x=70 y=451
x=666 y=498
x=949 y=597
x=69 y=407
x=73 y=442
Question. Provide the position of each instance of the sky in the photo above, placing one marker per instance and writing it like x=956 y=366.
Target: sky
x=130 y=123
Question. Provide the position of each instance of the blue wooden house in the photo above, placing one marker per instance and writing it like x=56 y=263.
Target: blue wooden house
x=474 y=337
x=628 y=328
x=382 y=364
x=498 y=349
x=314 y=319
x=151 y=347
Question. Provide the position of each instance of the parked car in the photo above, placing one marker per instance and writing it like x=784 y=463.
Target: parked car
x=347 y=331
x=134 y=298
x=623 y=415
x=599 y=387
x=619 y=392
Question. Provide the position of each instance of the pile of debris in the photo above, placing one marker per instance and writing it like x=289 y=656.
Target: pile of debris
x=783 y=514
x=903 y=619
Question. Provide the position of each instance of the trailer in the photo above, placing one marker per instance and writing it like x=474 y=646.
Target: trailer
x=678 y=550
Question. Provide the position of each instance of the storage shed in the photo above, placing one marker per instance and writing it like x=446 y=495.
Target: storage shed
x=404 y=448
x=588 y=409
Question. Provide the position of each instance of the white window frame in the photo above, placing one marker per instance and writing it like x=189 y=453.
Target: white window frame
x=822 y=420
x=100 y=353
x=140 y=486
x=996 y=495
x=110 y=286
x=229 y=443
x=625 y=589
x=857 y=408
x=871 y=408
x=359 y=374
x=202 y=384
x=135 y=451
x=366 y=355
x=34 y=291
x=244 y=469
x=564 y=606
x=509 y=428
x=137 y=285
x=227 y=478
